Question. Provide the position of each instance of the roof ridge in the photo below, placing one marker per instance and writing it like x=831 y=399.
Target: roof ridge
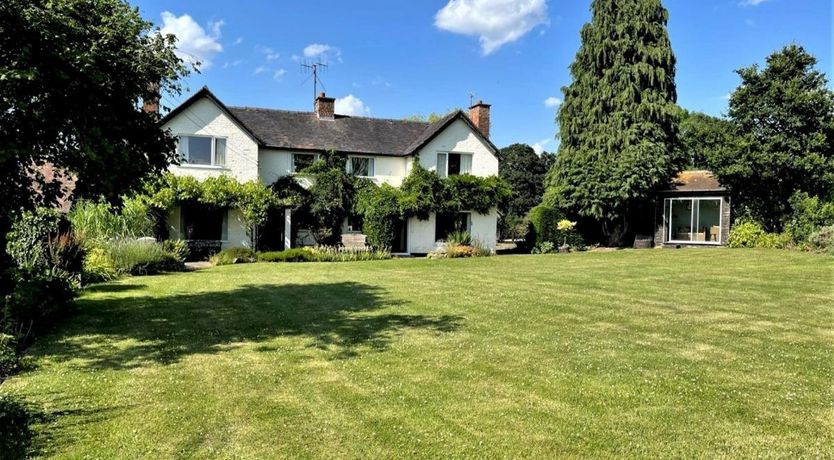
x=265 y=109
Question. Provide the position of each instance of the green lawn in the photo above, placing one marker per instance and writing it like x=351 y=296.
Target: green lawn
x=654 y=353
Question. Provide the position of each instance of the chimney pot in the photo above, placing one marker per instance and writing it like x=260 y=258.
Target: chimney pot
x=479 y=115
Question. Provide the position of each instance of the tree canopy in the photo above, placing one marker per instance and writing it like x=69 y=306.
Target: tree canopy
x=705 y=139
x=74 y=75
x=524 y=172
x=619 y=120
x=783 y=118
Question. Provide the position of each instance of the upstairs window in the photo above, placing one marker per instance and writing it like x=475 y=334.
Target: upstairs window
x=361 y=166
x=453 y=164
x=202 y=150
x=302 y=161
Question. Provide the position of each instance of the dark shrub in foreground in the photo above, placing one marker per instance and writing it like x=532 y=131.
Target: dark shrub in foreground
x=15 y=434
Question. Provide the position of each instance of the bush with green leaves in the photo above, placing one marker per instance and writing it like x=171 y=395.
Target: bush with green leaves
x=135 y=257
x=751 y=234
x=288 y=255
x=544 y=220
x=823 y=239
x=98 y=266
x=99 y=220
x=15 y=431
x=381 y=209
x=545 y=247
x=235 y=255
x=9 y=361
x=459 y=238
x=809 y=213
x=325 y=254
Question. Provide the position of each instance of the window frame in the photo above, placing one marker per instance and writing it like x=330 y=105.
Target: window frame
x=224 y=226
x=293 y=169
x=371 y=165
x=667 y=218
x=445 y=172
x=213 y=165
x=467 y=229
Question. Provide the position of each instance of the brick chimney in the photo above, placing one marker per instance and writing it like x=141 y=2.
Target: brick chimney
x=479 y=114
x=325 y=107
x=151 y=104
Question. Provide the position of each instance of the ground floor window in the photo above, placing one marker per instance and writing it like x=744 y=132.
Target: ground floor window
x=201 y=222
x=446 y=223
x=696 y=220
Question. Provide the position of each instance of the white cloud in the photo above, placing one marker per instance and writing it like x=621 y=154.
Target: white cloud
x=295 y=57
x=278 y=74
x=351 y=105
x=260 y=69
x=234 y=63
x=752 y=2
x=271 y=55
x=495 y=22
x=194 y=45
x=539 y=146
x=238 y=41
x=552 y=102
x=319 y=49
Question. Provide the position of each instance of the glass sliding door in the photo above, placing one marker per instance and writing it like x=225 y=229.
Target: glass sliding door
x=694 y=220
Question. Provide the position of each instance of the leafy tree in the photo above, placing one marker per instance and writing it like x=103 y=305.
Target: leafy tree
x=524 y=172
x=619 y=121
x=430 y=118
x=704 y=138
x=330 y=198
x=74 y=74
x=784 y=119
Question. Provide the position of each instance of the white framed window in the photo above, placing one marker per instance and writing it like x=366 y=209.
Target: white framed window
x=301 y=161
x=694 y=220
x=453 y=164
x=360 y=166
x=199 y=150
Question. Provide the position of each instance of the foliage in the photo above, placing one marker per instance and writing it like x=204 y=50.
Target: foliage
x=751 y=234
x=253 y=199
x=99 y=220
x=704 y=139
x=459 y=238
x=288 y=255
x=808 y=213
x=544 y=221
x=565 y=225
x=381 y=209
x=468 y=192
x=329 y=200
x=178 y=248
x=324 y=254
x=72 y=74
x=524 y=172
x=545 y=247
x=422 y=192
x=823 y=239
x=236 y=255
x=135 y=257
x=9 y=361
x=27 y=242
x=15 y=432
x=98 y=266
x=457 y=251
x=784 y=119
x=619 y=121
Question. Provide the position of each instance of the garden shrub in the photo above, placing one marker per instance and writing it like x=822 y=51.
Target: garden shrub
x=380 y=207
x=809 y=213
x=100 y=221
x=545 y=247
x=751 y=234
x=544 y=221
x=98 y=266
x=15 y=433
x=9 y=361
x=823 y=239
x=236 y=255
x=288 y=255
x=455 y=251
x=133 y=257
x=178 y=248
x=459 y=238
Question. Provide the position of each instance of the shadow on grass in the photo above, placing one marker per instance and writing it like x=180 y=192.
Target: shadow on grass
x=130 y=331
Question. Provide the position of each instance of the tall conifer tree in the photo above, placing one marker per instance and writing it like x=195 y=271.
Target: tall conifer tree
x=619 y=120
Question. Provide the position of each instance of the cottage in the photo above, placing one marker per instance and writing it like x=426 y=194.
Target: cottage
x=266 y=144
x=694 y=211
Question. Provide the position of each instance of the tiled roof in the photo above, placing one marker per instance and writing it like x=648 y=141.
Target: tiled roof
x=696 y=181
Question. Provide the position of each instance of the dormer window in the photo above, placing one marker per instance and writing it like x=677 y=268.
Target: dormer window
x=453 y=164
x=202 y=150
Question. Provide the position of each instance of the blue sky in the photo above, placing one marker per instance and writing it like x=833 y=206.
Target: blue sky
x=394 y=59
